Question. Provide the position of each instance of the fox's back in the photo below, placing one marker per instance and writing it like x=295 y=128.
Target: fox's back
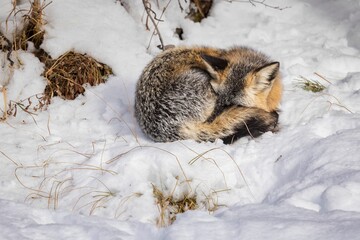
x=172 y=89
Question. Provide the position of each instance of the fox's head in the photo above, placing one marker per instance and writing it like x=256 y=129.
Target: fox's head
x=249 y=80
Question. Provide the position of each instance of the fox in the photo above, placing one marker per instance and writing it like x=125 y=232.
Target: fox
x=205 y=93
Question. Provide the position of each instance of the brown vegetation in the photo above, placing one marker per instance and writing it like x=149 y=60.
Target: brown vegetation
x=199 y=9
x=169 y=206
x=67 y=74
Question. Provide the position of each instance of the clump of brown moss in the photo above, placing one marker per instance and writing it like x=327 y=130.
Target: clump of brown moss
x=67 y=74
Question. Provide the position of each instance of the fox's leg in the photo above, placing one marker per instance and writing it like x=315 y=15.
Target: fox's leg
x=232 y=124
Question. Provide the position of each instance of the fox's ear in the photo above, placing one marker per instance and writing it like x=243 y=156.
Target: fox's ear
x=265 y=75
x=214 y=65
x=217 y=64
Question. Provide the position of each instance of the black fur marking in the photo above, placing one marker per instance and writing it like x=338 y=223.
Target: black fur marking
x=219 y=108
x=253 y=127
x=217 y=63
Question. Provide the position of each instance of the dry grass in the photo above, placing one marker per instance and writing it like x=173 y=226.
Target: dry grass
x=67 y=74
x=99 y=198
x=169 y=206
x=199 y=9
x=29 y=105
x=311 y=85
x=33 y=30
x=66 y=77
x=53 y=179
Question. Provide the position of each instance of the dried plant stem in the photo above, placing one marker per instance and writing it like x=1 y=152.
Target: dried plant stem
x=232 y=159
x=322 y=77
x=8 y=48
x=198 y=5
x=3 y=90
x=262 y=2
x=187 y=180
x=339 y=104
x=148 y=11
x=13 y=161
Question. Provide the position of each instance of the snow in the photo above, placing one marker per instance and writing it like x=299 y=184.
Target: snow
x=82 y=169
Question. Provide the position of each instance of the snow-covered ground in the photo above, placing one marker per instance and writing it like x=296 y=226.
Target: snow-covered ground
x=88 y=156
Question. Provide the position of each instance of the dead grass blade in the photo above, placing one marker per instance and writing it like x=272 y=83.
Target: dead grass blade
x=201 y=155
x=7 y=157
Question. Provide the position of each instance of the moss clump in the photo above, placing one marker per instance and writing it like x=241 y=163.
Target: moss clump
x=67 y=74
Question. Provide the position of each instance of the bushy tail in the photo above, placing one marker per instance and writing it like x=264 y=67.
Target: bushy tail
x=232 y=124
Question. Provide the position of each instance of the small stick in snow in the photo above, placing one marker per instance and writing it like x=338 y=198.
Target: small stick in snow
x=262 y=2
x=8 y=48
x=148 y=10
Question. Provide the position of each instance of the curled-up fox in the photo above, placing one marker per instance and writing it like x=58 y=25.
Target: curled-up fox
x=205 y=93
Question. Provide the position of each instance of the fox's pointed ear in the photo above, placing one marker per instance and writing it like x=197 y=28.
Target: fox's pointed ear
x=214 y=65
x=265 y=75
x=217 y=64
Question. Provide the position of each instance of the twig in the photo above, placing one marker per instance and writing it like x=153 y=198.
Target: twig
x=148 y=10
x=13 y=161
x=322 y=77
x=198 y=5
x=262 y=2
x=5 y=115
x=181 y=8
x=8 y=48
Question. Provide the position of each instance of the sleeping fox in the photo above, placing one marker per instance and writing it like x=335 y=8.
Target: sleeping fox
x=205 y=93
